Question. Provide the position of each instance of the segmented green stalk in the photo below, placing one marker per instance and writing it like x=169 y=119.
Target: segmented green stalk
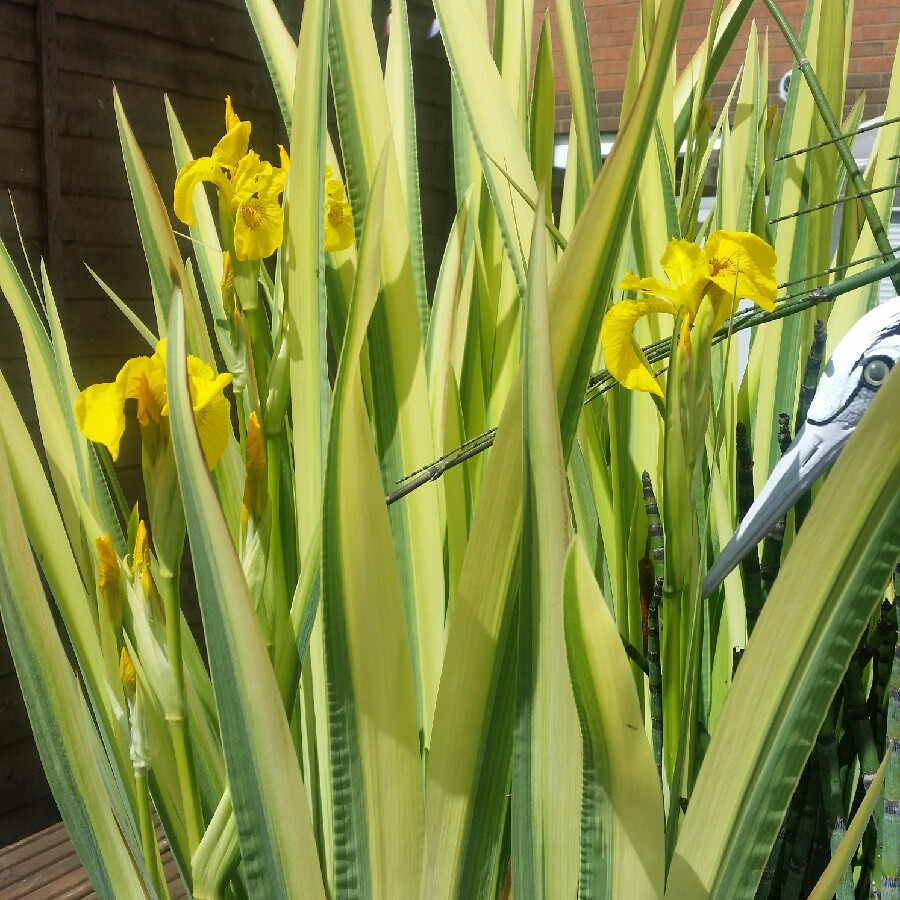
x=885 y=636
x=655 y=531
x=803 y=839
x=782 y=849
x=807 y=391
x=753 y=596
x=820 y=856
x=890 y=833
x=832 y=797
x=772 y=546
x=856 y=719
x=657 y=552
x=653 y=659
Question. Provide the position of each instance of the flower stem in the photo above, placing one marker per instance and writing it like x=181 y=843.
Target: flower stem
x=184 y=760
x=149 y=847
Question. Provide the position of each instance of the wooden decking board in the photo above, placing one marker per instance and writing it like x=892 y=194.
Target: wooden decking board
x=45 y=866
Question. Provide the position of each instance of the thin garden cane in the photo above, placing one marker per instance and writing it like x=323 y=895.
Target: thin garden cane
x=601 y=381
x=859 y=184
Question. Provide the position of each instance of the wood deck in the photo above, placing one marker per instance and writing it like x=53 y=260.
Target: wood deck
x=46 y=867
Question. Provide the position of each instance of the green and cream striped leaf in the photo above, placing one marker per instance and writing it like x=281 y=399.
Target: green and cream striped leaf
x=76 y=604
x=622 y=853
x=573 y=32
x=730 y=22
x=279 y=52
x=164 y=261
x=304 y=273
x=880 y=172
x=547 y=745
x=398 y=85
x=373 y=732
x=276 y=837
x=401 y=412
x=541 y=124
x=60 y=720
x=494 y=127
x=469 y=762
x=67 y=461
x=839 y=563
x=207 y=246
x=773 y=364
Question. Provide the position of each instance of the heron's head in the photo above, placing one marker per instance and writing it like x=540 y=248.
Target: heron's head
x=860 y=364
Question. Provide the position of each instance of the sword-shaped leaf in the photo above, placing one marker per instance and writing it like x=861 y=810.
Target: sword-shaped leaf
x=836 y=569
x=622 y=811
x=60 y=720
x=277 y=842
x=373 y=735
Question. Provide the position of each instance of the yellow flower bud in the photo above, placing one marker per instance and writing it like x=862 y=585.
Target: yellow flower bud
x=127 y=674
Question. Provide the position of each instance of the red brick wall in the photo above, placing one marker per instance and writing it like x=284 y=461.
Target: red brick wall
x=611 y=23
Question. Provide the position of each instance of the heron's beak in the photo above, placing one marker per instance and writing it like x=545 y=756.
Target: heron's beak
x=814 y=449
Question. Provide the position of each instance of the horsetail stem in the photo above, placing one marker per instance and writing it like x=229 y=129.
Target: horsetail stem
x=772 y=546
x=807 y=390
x=753 y=596
x=656 y=540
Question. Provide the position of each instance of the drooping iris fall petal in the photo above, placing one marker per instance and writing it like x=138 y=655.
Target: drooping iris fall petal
x=207 y=168
x=212 y=411
x=100 y=415
x=619 y=352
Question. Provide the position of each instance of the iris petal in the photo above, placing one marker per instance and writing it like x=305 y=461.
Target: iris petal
x=743 y=266
x=204 y=169
x=619 y=352
x=100 y=415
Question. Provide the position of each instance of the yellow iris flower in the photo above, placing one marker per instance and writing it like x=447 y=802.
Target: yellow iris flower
x=730 y=266
x=100 y=409
x=249 y=189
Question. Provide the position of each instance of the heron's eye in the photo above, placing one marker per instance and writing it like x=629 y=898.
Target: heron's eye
x=876 y=370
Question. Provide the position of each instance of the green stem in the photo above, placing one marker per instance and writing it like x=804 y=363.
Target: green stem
x=655 y=676
x=832 y=797
x=656 y=539
x=753 y=597
x=149 y=847
x=834 y=132
x=258 y=329
x=803 y=840
x=856 y=719
x=184 y=760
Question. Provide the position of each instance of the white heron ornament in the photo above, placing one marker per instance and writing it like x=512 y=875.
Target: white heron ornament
x=860 y=364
